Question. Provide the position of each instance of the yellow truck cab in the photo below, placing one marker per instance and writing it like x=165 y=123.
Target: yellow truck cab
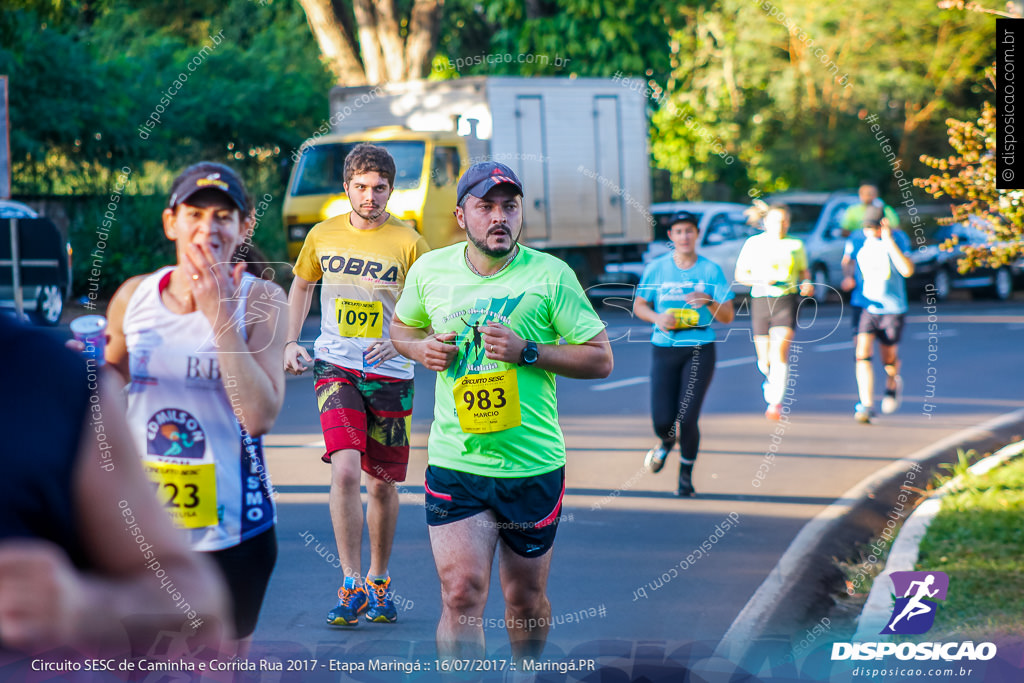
x=428 y=166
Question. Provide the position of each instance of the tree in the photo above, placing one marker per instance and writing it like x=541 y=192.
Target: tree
x=785 y=88
x=558 y=37
x=973 y=187
x=380 y=45
x=969 y=179
x=86 y=81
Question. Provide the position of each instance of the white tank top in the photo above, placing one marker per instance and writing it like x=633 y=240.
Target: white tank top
x=209 y=473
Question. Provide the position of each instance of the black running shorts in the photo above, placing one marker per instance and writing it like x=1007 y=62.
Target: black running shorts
x=887 y=327
x=246 y=568
x=526 y=509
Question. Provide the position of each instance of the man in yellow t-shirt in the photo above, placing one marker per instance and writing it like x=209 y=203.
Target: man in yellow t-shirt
x=363 y=387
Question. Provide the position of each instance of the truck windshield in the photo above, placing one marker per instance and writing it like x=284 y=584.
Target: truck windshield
x=321 y=168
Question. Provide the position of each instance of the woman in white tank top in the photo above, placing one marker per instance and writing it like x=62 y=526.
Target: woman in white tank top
x=200 y=344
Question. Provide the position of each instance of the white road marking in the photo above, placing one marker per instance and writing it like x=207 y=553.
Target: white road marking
x=630 y=381
x=833 y=347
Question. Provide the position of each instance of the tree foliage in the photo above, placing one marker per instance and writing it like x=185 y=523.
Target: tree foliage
x=85 y=81
x=590 y=37
x=785 y=88
x=968 y=178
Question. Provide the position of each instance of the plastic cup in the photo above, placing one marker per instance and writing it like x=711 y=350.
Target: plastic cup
x=91 y=330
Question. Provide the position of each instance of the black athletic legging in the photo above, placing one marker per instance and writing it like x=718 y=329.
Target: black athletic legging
x=680 y=376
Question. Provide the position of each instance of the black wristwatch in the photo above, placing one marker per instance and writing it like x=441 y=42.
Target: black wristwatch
x=530 y=354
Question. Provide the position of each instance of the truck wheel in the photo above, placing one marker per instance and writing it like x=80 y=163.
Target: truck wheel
x=819 y=276
x=49 y=306
x=943 y=284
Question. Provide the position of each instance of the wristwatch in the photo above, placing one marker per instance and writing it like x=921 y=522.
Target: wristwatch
x=530 y=354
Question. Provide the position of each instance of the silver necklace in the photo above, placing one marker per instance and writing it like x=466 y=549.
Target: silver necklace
x=503 y=267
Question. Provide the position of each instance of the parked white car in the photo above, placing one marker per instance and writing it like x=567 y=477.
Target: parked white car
x=723 y=230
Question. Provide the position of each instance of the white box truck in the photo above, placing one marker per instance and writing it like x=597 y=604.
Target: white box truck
x=579 y=146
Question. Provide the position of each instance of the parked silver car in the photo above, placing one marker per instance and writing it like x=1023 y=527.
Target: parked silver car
x=815 y=219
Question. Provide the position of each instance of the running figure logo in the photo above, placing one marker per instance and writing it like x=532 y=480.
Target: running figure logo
x=916 y=602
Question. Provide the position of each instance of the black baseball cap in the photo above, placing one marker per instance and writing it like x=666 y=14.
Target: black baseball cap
x=684 y=217
x=481 y=177
x=199 y=178
x=873 y=216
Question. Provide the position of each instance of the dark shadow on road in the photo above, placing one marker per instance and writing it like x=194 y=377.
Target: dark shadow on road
x=650 y=495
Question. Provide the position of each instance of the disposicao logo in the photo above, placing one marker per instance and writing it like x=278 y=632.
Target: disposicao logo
x=917 y=596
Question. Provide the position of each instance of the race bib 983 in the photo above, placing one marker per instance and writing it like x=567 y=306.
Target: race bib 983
x=488 y=402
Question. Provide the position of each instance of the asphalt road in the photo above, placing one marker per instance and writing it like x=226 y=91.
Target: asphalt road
x=629 y=581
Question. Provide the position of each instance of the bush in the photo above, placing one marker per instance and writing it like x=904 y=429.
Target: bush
x=107 y=252
x=109 y=246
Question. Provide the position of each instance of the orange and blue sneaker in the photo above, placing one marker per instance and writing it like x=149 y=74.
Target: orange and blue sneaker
x=351 y=603
x=382 y=606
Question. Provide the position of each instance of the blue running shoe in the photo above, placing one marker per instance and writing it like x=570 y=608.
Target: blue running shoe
x=352 y=602
x=382 y=607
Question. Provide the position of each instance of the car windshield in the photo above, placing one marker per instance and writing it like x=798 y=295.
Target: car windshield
x=322 y=167
x=803 y=218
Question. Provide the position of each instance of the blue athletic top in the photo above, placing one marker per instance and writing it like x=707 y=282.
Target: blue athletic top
x=880 y=287
x=664 y=285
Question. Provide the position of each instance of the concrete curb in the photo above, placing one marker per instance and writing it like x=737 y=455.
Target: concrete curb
x=904 y=553
x=800 y=587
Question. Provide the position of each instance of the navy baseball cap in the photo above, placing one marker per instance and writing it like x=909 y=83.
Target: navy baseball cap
x=684 y=217
x=200 y=178
x=481 y=177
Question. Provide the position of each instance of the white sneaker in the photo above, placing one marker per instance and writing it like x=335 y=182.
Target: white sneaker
x=655 y=458
x=862 y=414
x=893 y=397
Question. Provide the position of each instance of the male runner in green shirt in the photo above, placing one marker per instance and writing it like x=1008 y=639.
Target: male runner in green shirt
x=487 y=316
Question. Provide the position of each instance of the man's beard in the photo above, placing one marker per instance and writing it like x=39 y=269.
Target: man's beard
x=369 y=217
x=481 y=245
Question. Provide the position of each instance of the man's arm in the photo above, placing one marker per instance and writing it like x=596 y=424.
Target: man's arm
x=300 y=297
x=432 y=351
x=44 y=600
x=591 y=359
x=903 y=264
x=744 y=275
x=849 y=266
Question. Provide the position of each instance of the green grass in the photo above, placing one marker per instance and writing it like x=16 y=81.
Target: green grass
x=977 y=538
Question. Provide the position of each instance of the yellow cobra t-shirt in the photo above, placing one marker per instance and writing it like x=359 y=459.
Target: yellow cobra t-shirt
x=363 y=273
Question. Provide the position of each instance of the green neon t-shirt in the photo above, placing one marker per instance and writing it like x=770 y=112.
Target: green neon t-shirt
x=540 y=299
